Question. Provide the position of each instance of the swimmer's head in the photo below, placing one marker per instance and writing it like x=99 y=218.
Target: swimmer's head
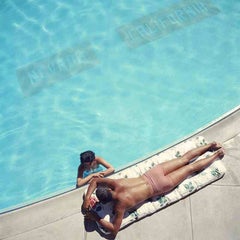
x=104 y=194
x=87 y=157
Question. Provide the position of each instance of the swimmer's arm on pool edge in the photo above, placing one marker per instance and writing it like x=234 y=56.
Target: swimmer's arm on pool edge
x=109 y=168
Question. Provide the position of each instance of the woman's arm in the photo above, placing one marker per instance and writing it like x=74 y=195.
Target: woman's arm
x=108 y=166
x=81 y=181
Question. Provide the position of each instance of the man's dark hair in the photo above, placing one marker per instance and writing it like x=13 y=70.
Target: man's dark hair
x=87 y=156
x=103 y=194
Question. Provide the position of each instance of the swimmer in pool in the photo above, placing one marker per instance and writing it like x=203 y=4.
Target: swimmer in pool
x=127 y=193
x=91 y=167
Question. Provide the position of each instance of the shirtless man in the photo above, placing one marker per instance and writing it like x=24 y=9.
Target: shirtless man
x=128 y=192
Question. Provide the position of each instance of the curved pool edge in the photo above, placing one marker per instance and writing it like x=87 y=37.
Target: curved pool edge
x=226 y=122
x=44 y=216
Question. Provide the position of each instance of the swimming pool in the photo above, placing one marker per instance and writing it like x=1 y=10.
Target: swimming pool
x=122 y=78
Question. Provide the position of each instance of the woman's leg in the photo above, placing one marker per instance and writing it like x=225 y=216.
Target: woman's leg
x=182 y=173
x=172 y=165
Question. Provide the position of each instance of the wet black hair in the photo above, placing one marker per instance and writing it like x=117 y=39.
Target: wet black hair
x=87 y=156
x=103 y=194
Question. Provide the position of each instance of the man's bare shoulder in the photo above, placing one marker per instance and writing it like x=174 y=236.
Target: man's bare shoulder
x=120 y=206
x=112 y=183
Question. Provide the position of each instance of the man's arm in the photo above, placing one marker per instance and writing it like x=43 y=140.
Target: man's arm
x=93 y=185
x=113 y=227
x=86 y=201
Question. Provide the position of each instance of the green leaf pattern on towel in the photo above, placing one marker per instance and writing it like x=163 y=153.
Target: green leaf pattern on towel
x=202 y=142
x=178 y=154
x=203 y=173
x=162 y=200
x=135 y=215
x=189 y=186
x=215 y=172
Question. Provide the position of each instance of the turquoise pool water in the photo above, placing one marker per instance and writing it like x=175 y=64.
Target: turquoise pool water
x=122 y=78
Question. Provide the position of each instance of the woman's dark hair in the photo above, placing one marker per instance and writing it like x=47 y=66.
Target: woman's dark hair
x=103 y=194
x=87 y=156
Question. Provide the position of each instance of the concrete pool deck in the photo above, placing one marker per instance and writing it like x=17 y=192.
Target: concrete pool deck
x=211 y=213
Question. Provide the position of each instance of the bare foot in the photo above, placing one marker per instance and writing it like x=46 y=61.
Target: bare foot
x=215 y=146
x=217 y=155
x=220 y=153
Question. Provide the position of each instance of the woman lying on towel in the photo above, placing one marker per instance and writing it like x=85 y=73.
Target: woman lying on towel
x=128 y=192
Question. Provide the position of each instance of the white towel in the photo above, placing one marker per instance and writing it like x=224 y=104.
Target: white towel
x=187 y=187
